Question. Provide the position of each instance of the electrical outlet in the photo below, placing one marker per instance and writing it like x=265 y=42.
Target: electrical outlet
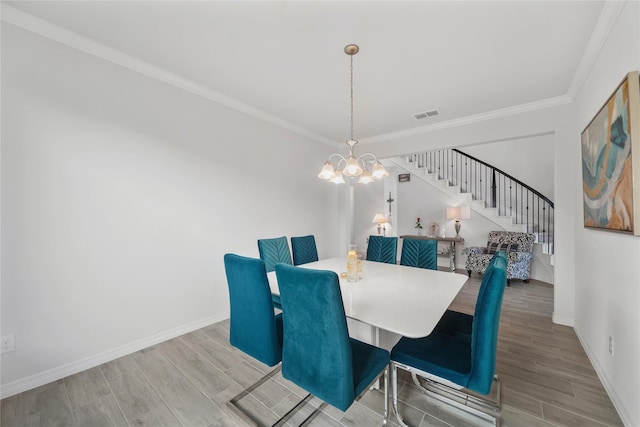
x=7 y=343
x=611 y=346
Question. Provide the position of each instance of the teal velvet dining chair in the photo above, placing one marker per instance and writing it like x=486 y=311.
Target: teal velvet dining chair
x=461 y=350
x=304 y=249
x=382 y=249
x=254 y=328
x=318 y=354
x=273 y=251
x=419 y=253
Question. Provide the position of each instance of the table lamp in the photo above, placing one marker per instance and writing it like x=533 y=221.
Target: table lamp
x=457 y=213
x=379 y=219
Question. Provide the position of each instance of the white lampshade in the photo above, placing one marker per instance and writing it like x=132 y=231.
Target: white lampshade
x=379 y=219
x=458 y=212
x=327 y=171
x=378 y=171
x=352 y=168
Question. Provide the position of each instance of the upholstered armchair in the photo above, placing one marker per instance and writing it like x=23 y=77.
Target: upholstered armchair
x=518 y=247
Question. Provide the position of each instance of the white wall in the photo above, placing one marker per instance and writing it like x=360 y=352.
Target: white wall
x=607 y=270
x=538 y=150
x=597 y=274
x=120 y=195
x=369 y=200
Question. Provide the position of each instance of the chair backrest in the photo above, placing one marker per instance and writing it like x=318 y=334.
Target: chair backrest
x=510 y=241
x=382 y=249
x=253 y=326
x=419 y=253
x=304 y=249
x=486 y=321
x=317 y=352
x=273 y=251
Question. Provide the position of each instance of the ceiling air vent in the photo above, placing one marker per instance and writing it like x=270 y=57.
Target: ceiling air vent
x=426 y=114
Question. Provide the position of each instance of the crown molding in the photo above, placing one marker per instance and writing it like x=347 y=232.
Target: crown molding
x=61 y=35
x=490 y=115
x=608 y=17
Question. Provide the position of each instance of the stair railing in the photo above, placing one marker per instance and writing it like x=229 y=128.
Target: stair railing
x=508 y=195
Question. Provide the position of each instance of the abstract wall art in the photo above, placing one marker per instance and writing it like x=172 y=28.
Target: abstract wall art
x=611 y=162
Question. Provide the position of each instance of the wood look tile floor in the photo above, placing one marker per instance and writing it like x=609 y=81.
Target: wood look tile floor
x=547 y=381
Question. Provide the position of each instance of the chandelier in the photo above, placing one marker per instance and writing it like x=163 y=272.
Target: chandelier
x=353 y=166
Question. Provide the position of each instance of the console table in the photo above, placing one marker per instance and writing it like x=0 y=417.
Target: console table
x=452 y=246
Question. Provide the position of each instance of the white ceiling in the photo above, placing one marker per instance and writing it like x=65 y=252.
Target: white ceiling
x=284 y=61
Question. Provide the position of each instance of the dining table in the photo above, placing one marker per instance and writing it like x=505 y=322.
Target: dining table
x=405 y=301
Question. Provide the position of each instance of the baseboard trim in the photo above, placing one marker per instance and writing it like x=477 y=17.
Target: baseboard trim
x=617 y=403
x=72 y=368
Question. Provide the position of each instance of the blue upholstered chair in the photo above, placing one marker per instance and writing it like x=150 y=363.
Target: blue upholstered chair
x=304 y=249
x=273 y=251
x=254 y=329
x=461 y=349
x=382 y=249
x=419 y=253
x=318 y=354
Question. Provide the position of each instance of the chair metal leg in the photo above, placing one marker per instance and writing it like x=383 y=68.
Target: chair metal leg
x=295 y=409
x=232 y=404
x=490 y=410
x=386 y=396
x=314 y=414
x=394 y=400
x=461 y=399
x=386 y=393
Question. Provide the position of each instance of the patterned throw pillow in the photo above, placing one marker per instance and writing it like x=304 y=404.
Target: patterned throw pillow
x=493 y=247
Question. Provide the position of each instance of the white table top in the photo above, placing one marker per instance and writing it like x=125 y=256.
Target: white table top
x=405 y=300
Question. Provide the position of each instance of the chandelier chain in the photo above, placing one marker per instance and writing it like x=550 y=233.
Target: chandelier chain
x=351 y=84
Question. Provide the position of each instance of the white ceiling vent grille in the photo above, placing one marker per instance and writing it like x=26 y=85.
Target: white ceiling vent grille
x=426 y=114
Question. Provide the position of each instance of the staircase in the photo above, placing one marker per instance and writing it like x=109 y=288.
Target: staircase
x=490 y=192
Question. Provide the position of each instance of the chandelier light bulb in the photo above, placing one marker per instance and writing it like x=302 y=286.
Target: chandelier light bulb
x=352 y=167
x=327 y=171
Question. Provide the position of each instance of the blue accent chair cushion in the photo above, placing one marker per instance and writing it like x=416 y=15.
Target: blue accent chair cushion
x=382 y=249
x=462 y=348
x=318 y=354
x=254 y=328
x=419 y=253
x=304 y=249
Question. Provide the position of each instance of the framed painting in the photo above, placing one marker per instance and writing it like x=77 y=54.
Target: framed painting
x=611 y=162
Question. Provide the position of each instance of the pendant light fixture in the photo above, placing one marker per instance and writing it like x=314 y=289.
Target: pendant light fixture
x=353 y=166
